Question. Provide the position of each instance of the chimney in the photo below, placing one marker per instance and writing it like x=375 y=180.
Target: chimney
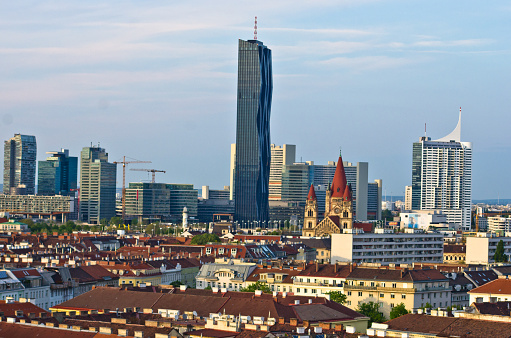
x=317 y=266
x=351 y=267
x=335 y=267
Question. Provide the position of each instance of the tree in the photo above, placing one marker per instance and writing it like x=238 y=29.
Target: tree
x=103 y=222
x=500 y=256
x=176 y=284
x=387 y=215
x=398 y=311
x=256 y=286
x=116 y=220
x=337 y=296
x=371 y=310
x=204 y=239
x=427 y=306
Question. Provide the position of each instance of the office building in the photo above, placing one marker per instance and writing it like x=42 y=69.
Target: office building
x=20 y=154
x=280 y=157
x=97 y=185
x=58 y=174
x=481 y=248
x=253 y=154
x=160 y=201
x=442 y=176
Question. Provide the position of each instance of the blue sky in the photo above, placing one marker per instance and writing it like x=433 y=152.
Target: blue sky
x=156 y=80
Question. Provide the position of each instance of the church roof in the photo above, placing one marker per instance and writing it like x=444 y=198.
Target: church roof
x=347 y=193
x=312 y=193
x=339 y=181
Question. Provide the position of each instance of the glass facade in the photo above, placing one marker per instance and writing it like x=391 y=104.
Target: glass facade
x=58 y=174
x=253 y=154
x=20 y=154
x=97 y=185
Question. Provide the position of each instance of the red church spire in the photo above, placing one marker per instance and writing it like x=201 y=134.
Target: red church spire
x=312 y=193
x=339 y=181
x=347 y=193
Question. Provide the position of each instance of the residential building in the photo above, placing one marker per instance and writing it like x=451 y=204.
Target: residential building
x=442 y=177
x=499 y=224
x=455 y=253
x=481 y=248
x=253 y=154
x=387 y=247
x=161 y=201
x=280 y=156
x=97 y=185
x=13 y=226
x=408 y=198
x=52 y=207
x=58 y=174
x=224 y=274
x=498 y=290
x=20 y=154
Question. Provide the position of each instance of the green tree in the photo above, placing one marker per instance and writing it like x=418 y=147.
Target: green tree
x=499 y=255
x=116 y=221
x=371 y=310
x=387 y=215
x=104 y=223
x=427 y=306
x=149 y=229
x=398 y=311
x=337 y=296
x=205 y=238
x=176 y=284
x=257 y=286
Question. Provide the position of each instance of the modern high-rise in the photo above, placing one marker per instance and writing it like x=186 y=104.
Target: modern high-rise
x=58 y=174
x=253 y=154
x=280 y=157
x=442 y=176
x=97 y=185
x=20 y=154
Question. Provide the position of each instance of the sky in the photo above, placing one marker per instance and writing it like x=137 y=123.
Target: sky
x=156 y=81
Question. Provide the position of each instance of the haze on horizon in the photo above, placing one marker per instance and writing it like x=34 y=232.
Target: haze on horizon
x=157 y=81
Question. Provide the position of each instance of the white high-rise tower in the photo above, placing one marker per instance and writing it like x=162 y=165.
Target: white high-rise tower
x=442 y=176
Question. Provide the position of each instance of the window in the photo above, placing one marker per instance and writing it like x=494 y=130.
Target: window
x=361 y=283
x=371 y=295
x=383 y=284
x=382 y=295
x=349 y=293
x=314 y=291
x=298 y=290
x=360 y=293
x=372 y=283
x=208 y=251
x=391 y=305
x=394 y=285
x=392 y=296
x=403 y=296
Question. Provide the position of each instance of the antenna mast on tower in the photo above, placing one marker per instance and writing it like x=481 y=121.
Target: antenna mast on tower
x=255 y=28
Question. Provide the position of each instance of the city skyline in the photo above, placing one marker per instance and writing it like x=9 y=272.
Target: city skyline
x=166 y=75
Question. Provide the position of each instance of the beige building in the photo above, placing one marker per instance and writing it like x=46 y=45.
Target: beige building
x=481 y=248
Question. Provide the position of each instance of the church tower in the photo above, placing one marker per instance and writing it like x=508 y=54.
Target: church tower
x=310 y=219
x=340 y=203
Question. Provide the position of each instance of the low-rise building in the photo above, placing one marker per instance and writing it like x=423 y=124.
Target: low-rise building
x=455 y=253
x=498 y=290
x=224 y=274
x=481 y=248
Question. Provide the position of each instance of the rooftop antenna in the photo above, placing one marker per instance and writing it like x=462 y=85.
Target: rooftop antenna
x=255 y=28
x=425 y=130
x=340 y=151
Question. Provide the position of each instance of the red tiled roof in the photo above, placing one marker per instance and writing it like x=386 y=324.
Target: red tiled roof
x=312 y=193
x=23 y=331
x=501 y=286
x=339 y=181
x=23 y=273
x=9 y=309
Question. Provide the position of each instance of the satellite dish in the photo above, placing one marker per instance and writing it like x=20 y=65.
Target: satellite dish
x=457 y=287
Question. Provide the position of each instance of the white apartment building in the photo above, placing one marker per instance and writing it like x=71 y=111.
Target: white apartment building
x=499 y=223
x=408 y=197
x=481 y=249
x=442 y=176
x=280 y=156
x=229 y=275
x=386 y=247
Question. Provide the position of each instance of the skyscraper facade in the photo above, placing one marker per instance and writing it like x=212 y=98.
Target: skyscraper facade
x=58 y=174
x=253 y=154
x=280 y=157
x=20 y=154
x=97 y=185
x=442 y=177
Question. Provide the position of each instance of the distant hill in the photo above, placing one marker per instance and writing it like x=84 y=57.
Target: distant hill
x=501 y=201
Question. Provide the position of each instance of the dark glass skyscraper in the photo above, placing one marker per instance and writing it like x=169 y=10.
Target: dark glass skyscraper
x=253 y=154
x=58 y=174
x=19 y=165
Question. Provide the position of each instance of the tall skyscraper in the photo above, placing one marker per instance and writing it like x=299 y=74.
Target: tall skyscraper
x=280 y=157
x=442 y=176
x=253 y=156
x=58 y=174
x=97 y=185
x=20 y=154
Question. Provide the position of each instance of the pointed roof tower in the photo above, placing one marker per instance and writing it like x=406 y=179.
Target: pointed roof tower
x=312 y=194
x=339 y=181
x=347 y=193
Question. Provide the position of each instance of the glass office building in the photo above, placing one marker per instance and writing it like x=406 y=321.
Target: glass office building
x=20 y=154
x=253 y=154
x=58 y=174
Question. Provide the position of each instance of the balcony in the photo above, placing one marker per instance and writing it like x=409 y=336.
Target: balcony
x=359 y=287
x=317 y=284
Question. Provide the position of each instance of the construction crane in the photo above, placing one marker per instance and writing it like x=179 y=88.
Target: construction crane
x=124 y=162
x=153 y=171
